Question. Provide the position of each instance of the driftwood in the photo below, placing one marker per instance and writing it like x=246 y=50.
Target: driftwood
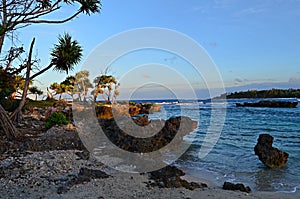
x=7 y=125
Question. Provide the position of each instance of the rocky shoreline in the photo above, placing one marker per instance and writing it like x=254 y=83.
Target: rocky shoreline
x=54 y=163
x=62 y=174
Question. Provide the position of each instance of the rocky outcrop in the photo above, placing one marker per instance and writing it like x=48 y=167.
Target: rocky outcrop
x=117 y=110
x=270 y=156
x=109 y=111
x=104 y=112
x=170 y=177
x=236 y=187
x=142 y=120
x=163 y=132
x=56 y=138
x=149 y=108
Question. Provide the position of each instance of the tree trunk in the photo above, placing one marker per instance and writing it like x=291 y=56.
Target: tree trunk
x=7 y=125
x=42 y=71
x=17 y=114
x=4 y=24
x=49 y=94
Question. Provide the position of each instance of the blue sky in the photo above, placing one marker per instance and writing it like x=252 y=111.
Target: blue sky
x=250 y=41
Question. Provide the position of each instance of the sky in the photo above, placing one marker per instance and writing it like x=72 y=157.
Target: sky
x=250 y=42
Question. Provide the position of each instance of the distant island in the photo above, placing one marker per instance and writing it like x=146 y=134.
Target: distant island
x=273 y=93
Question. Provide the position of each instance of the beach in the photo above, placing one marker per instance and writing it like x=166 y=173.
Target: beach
x=46 y=175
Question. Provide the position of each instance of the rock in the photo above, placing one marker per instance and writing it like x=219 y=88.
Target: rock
x=84 y=175
x=169 y=177
x=56 y=138
x=163 y=132
x=142 y=120
x=239 y=187
x=84 y=155
x=270 y=156
x=110 y=111
x=149 y=108
x=104 y=112
x=134 y=110
x=70 y=127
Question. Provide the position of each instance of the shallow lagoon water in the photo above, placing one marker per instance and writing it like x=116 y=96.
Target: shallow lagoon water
x=232 y=158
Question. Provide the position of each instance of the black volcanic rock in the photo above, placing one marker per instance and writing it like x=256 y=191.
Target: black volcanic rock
x=270 y=156
x=169 y=177
x=236 y=187
x=160 y=132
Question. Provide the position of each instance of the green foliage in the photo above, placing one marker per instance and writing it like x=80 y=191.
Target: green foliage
x=82 y=83
x=107 y=86
x=66 y=53
x=40 y=104
x=56 y=118
x=9 y=104
x=66 y=86
x=273 y=93
x=148 y=106
x=35 y=91
x=133 y=103
x=7 y=84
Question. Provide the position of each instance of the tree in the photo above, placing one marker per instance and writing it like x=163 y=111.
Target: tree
x=66 y=86
x=35 y=91
x=16 y=14
x=82 y=84
x=107 y=86
x=7 y=84
x=65 y=55
x=17 y=114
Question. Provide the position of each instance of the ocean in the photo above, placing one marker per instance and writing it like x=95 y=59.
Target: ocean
x=232 y=158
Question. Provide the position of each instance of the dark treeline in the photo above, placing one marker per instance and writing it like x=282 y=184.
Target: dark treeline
x=274 y=93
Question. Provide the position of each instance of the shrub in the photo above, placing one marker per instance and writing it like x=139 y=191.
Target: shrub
x=9 y=104
x=56 y=118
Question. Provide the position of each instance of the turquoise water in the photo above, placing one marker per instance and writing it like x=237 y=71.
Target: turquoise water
x=232 y=158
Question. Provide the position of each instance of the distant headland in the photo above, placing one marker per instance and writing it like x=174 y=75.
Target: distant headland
x=273 y=93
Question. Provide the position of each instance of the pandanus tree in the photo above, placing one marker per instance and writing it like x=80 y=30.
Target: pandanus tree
x=65 y=55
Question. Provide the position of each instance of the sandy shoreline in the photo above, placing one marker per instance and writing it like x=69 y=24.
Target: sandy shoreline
x=48 y=174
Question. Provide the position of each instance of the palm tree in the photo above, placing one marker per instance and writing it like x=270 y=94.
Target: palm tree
x=65 y=55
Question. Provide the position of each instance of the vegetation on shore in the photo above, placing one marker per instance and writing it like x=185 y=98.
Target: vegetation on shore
x=273 y=93
x=20 y=67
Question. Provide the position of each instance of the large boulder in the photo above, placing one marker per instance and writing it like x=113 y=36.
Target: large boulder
x=155 y=135
x=270 y=156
